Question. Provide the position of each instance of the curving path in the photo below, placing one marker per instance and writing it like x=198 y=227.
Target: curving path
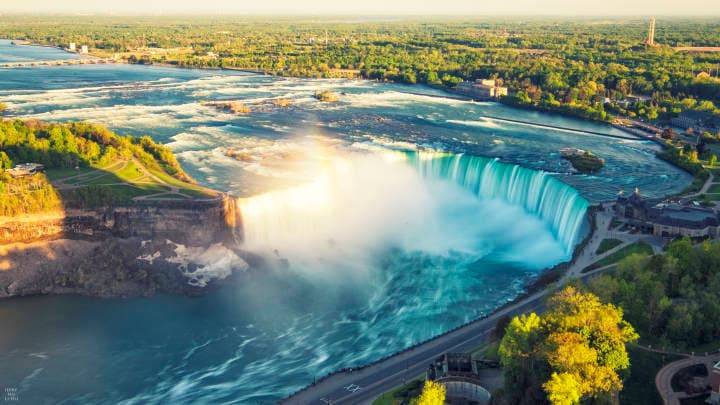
x=663 y=379
x=172 y=192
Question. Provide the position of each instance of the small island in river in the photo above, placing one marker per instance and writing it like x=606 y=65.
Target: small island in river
x=582 y=160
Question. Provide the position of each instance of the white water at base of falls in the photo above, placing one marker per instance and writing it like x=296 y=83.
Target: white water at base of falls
x=435 y=203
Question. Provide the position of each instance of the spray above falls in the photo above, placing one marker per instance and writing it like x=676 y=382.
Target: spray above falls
x=556 y=203
x=437 y=203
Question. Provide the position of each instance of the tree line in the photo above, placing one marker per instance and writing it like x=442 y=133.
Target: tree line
x=569 y=66
x=68 y=146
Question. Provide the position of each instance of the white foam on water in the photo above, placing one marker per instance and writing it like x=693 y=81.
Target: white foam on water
x=483 y=122
x=214 y=262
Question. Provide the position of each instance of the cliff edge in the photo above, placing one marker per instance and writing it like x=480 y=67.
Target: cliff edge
x=140 y=248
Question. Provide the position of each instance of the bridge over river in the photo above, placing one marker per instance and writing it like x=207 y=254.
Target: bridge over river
x=58 y=62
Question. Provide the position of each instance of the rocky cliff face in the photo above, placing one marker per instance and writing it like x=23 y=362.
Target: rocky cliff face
x=198 y=222
x=172 y=246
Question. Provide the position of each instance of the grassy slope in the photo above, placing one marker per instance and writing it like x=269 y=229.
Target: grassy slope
x=607 y=244
x=127 y=180
x=636 y=248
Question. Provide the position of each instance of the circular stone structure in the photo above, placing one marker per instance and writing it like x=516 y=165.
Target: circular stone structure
x=463 y=390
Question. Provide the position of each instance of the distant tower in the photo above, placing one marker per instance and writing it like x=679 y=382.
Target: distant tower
x=651 y=33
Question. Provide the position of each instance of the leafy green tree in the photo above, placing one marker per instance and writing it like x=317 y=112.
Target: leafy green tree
x=574 y=352
x=5 y=162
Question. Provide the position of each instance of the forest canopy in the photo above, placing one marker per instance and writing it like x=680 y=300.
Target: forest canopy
x=573 y=66
x=70 y=146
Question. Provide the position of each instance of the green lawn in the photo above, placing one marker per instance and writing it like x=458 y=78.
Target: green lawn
x=607 y=244
x=191 y=190
x=402 y=393
x=712 y=197
x=130 y=172
x=636 y=248
x=489 y=352
x=639 y=387
x=107 y=178
x=714 y=188
x=55 y=174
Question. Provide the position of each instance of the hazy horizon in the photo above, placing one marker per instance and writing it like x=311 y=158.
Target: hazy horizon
x=375 y=7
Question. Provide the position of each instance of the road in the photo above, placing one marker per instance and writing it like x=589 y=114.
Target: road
x=371 y=382
x=364 y=385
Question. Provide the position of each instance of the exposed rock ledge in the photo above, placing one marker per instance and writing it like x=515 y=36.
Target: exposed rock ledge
x=169 y=246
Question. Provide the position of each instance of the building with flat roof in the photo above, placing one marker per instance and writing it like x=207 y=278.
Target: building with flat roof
x=699 y=121
x=26 y=169
x=482 y=89
x=668 y=219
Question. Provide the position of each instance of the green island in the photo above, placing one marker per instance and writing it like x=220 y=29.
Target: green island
x=84 y=165
x=585 y=162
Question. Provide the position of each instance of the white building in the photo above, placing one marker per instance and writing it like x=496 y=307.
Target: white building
x=482 y=89
x=84 y=49
x=26 y=169
x=72 y=46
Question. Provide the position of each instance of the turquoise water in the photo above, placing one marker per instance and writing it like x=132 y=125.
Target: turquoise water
x=12 y=53
x=388 y=240
x=560 y=206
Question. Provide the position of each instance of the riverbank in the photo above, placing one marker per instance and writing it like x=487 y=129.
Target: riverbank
x=383 y=375
x=136 y=250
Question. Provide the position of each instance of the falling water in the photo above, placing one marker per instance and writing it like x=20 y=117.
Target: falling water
x=556 y=203
x=362 y=200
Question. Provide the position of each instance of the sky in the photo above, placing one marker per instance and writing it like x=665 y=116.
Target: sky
x=367 y=7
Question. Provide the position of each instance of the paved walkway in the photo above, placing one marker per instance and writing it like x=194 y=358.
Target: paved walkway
x=708 y=183
x=603 y=219
x=663 y=379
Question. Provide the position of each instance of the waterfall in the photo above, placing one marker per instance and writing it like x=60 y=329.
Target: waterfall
x=409 y=198
x=538 y=192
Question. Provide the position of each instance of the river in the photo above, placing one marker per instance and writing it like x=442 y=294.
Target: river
x=398 y=216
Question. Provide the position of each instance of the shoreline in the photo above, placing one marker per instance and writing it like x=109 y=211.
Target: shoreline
x=528 y=286
x=531 y=287
x=450 y=93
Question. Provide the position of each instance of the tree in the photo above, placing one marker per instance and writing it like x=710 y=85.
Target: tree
x=433 y=394
x=563 y=389
x=5 y=162
x=574 y=352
